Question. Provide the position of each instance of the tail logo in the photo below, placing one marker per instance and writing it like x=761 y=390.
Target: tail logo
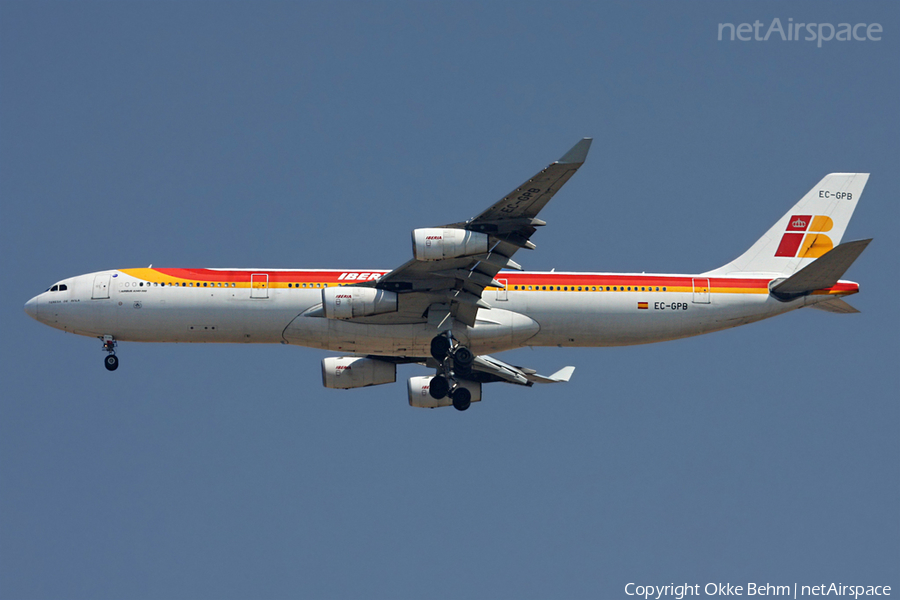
x=803 y=239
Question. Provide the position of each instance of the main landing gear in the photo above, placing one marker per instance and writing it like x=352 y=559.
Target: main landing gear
x=111 y=362
x=454 y=361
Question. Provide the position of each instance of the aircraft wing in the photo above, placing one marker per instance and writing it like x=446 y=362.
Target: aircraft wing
x=459 y=282
x=487 y=368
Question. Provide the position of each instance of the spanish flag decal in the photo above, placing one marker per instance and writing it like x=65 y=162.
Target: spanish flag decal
x=643 y=305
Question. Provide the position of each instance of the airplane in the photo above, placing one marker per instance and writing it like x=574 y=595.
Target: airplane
x=462 y=297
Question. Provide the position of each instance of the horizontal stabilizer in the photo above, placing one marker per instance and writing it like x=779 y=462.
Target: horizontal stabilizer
x=835 y=305
x=822 y=273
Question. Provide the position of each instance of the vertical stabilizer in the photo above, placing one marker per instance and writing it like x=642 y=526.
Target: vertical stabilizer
x=811 y=228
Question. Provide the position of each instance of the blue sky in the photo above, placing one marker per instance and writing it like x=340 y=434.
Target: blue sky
x=297 y=134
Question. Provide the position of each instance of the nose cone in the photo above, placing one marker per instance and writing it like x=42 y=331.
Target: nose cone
x=31 y=307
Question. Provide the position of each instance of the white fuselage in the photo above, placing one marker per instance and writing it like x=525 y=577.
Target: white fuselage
x=533 y=309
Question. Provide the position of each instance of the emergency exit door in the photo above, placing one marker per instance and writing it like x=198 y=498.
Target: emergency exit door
x=259 y=285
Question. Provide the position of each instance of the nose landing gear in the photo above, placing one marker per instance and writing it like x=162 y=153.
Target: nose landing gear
x=111 y=362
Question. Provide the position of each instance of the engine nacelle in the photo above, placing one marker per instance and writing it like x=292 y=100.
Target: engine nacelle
x=352 y=302
x=420 y=398
x=437 y=243
x=349 y=372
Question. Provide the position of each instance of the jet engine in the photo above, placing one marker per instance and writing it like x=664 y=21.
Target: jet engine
x=348 y=372
x=352 y=302
x=436 y=243
x=420 y=398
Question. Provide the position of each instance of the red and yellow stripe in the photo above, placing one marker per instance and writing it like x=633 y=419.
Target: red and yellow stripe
x=516 y=281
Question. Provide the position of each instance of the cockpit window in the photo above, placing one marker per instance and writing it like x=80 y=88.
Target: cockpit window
x=63 y=287
x=54 y=288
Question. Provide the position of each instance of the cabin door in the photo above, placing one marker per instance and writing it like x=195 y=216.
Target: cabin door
x=701 y=291
x=101 y=287
x=501 y=291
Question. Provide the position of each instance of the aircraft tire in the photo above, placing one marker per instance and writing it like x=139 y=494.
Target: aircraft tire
x=440 y=347
x=111 y=362
x=463 y=358
x=462 y=398
x=438 y=387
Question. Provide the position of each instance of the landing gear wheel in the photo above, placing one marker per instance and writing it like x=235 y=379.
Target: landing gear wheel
x=462 y=398
x=463 y=358
x=440 y=346
x=111 y=362
x=438 y=387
